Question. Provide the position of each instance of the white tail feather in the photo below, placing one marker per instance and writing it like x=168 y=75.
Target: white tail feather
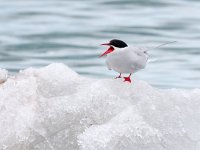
x=154 y=60
x=165 y=44
x=161 y=45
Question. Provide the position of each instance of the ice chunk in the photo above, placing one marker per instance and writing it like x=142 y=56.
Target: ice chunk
x=54 y=108
x=3 y=75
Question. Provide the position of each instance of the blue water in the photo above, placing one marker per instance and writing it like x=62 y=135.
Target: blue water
x=38 y=32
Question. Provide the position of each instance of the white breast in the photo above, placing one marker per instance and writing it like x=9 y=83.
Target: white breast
x=127 y=60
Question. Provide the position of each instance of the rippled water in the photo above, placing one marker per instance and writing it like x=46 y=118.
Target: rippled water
x=36 y=33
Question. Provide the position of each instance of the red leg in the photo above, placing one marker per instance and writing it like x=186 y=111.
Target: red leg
x=118 y=76
x=128 y=78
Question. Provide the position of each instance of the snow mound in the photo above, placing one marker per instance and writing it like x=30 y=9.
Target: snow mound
x=3 y=75
x=54 y=108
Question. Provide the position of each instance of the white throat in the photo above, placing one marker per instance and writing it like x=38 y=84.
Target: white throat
x=119 y=49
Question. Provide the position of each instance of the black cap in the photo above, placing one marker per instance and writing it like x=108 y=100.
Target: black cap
x=118 y=43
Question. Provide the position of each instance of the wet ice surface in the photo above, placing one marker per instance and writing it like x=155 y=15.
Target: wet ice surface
x=54 y=108
x=3 y=75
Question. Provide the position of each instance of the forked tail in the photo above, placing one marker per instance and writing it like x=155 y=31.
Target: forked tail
x=161 y=45
x=164 y=44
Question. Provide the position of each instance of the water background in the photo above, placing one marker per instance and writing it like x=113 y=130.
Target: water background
x=35 y=33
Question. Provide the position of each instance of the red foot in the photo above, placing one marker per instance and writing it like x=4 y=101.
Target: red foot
x=127 y=79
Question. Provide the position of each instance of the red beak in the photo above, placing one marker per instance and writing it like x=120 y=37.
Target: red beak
x=111 y=49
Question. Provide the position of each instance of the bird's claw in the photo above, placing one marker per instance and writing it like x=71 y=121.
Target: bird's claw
x=118 y=77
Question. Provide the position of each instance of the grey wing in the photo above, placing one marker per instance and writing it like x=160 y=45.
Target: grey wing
x=108 y=66
x=143 y=52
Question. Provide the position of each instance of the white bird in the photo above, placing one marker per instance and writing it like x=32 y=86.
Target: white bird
x=124 y=59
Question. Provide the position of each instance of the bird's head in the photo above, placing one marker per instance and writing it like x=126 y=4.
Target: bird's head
x=114 y=44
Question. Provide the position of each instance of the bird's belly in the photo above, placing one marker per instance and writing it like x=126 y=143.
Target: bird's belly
x=121 y=67
x=126 y=64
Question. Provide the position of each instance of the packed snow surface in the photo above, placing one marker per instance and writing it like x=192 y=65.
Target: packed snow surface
x=54 y=108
